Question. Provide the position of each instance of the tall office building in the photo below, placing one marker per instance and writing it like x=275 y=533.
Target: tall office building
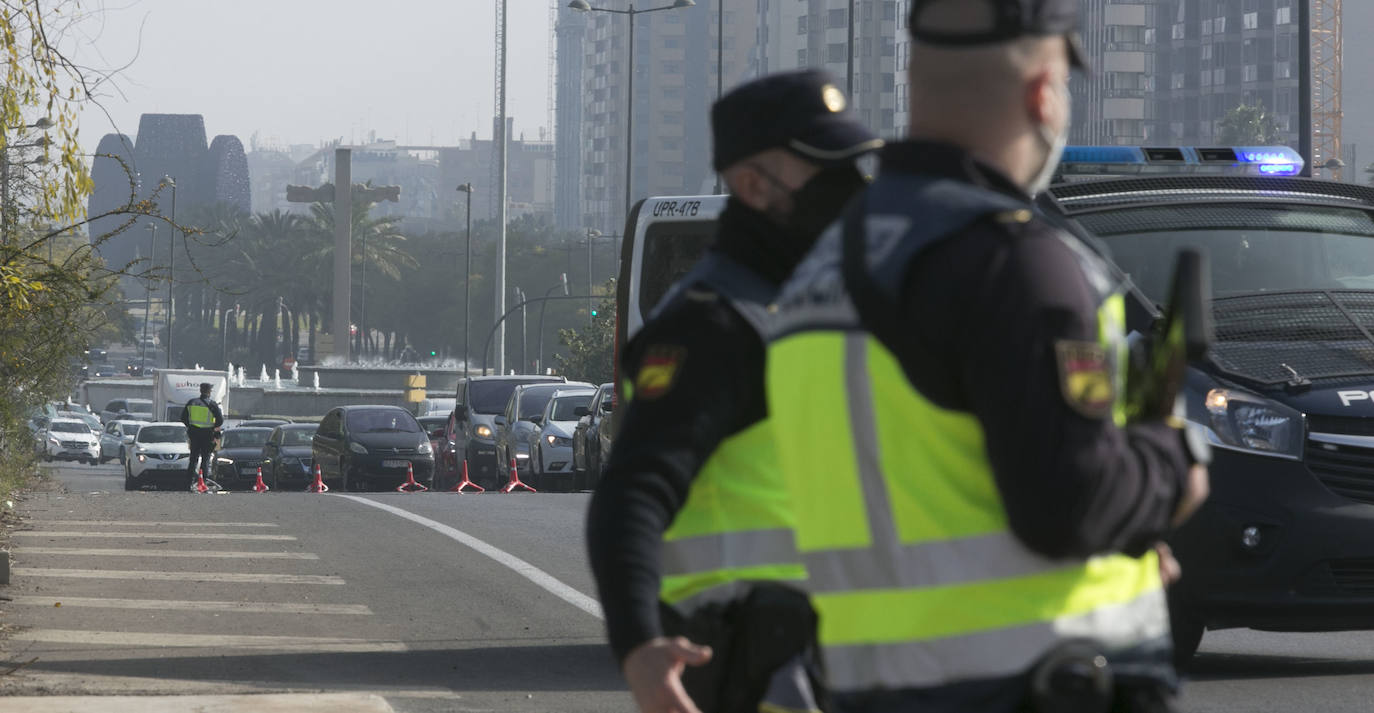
x=570 y=37
x=815 y=33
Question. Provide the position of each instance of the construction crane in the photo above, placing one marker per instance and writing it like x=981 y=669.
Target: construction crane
x=1326 y=84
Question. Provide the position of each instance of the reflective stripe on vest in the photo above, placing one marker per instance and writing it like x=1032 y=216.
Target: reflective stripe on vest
x=913 y=570
x=200 y=416
x=737 y=523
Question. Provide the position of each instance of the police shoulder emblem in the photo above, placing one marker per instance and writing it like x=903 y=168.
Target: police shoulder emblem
x=1085 y=377
x=833 y=98
x=658 y=370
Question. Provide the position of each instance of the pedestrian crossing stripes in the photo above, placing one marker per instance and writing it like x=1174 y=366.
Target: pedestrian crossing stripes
x=254 y=607
x=151 y=535
x=219 y=577
x=155 y=553
x=128 y=639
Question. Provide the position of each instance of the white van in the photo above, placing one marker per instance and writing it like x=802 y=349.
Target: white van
x=665 y=238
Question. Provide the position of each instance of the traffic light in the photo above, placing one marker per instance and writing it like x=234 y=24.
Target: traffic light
x=433 y=353
x=593 y=312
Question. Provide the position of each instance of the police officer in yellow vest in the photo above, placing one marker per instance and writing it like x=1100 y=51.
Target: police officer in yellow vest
x=692 y=514
x=203 y=418
x=944 y=375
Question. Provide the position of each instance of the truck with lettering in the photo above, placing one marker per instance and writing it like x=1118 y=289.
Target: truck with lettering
x=172 y=388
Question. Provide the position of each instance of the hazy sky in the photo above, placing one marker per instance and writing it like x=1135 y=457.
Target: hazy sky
x=302 y=71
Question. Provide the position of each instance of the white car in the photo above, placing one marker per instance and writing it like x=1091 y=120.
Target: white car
x=552 y=456
x=117 y=438
x=69 y=439
x=158 y=456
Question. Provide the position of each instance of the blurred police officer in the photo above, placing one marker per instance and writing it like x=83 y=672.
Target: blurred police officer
x=692 y=511
x=944 y=376
x=202 y=417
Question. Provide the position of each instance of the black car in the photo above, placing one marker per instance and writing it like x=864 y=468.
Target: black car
x=287 y=459
x=239 y=457
x=371 y=447
x=480 y=400
x=591 y=446
x=1285 y=396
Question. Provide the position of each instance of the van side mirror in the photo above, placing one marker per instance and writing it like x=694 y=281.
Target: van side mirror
x=499 y=420
x=537 y=420
x=581 y=411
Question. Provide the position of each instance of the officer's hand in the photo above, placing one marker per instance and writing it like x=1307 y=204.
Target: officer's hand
x=1170 y=570
x=1195 y=492
x=654 y=671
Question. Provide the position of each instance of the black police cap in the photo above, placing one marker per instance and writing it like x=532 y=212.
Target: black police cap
x=1002 y=21
x=800 y=111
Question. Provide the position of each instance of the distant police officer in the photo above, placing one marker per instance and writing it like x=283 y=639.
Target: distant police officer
x=944 y=375
x=203 y=418
x=692 y=511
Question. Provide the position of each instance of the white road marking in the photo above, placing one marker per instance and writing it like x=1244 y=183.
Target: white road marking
x=541 y=578
x=197 y=606
x=149 y=523
x=224 y=577
x=150 y=535
x=204 y=641
x=191 y=554
x=362 y=702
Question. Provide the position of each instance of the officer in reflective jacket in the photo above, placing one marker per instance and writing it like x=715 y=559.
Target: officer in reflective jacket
x=978 y=521
x=692 y=517
x=203 y=418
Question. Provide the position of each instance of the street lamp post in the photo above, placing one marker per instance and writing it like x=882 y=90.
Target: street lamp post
x=147 y=300
x=583 y=6
x=467 y=277
x=590 y=306
x=524 y=330
x=171 y=267
x=224 y=333
x=6 y=224
x=539 y=358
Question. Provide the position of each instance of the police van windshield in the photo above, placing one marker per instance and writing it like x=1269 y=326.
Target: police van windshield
x=670 y=250
x=1251 y=248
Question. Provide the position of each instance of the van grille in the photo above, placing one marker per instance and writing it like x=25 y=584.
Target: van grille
x=1354 y=576
x=1345 y=470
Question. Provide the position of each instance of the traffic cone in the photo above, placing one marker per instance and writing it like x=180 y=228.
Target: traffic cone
x=411 y=486
x=515 y=480
x=318 y=486
x=200 y=486
x=466 y=482
x=260 y=487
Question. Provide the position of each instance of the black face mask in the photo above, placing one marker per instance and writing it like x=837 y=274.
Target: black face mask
x=818 y=203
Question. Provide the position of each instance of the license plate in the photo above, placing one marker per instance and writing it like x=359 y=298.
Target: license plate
x=395 y=463
x=248 y=471
x=170 y=466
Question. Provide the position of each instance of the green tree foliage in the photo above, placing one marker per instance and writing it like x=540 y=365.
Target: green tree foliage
x=1249 y=125
x=591 y=348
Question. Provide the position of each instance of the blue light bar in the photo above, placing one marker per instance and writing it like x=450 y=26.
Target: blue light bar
x=1132 y=160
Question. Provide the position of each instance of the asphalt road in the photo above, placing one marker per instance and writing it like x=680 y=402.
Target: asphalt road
x=175 y=593
x=294 y=592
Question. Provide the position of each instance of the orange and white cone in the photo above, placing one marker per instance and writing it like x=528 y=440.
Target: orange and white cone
x=201 y=487
x=318 y=486
x=515 y=480
x=466 y=482
x=260 y=487
x=411 y=485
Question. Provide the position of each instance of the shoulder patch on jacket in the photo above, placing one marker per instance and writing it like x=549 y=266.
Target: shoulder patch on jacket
x=658 y=371
x=1085 y=377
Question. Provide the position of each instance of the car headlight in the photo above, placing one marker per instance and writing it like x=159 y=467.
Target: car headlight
x=142 y=458
x=54 y=441
x=482 y=431
x=225 y=461
x=357 y=448
x=426 y=449
x=557 y=440
x=1250 y=423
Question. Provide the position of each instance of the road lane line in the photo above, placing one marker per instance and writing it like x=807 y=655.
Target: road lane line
x=361 y=702
x=150 y=523
x=204 y=641
x=194 y=605
x=541 y=578
x=224 y=577
x=136 y=552
x=151 y=535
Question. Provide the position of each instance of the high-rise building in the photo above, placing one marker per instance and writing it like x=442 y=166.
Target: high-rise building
x=570 y=38
x=1112 y=103
x=816 y=33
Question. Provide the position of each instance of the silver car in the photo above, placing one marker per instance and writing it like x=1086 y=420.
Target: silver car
x=117 y=438
x=551 y=458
